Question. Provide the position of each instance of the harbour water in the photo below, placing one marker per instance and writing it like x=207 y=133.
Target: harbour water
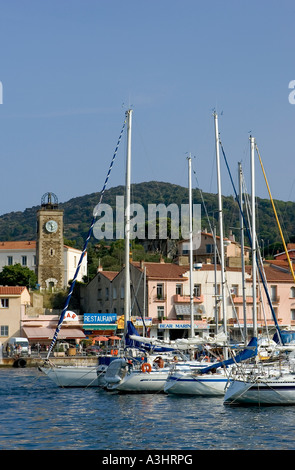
x=37 y=415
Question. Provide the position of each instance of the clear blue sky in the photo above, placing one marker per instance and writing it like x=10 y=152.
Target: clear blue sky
x=68 y=66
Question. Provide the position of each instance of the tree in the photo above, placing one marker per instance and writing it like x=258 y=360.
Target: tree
x=18 y=275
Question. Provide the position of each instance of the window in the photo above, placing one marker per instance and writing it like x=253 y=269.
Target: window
x=160 y=291
x=107 y=293
x=9 y=260
x=235 y=289
x=292 y=294
x=114 y=292
x=273 y=290
x=99 y=297
x=122 y=292
x=160 y=311
x=292 y=313
x=3 y=330
x=4 y=303
x=24 y=261
x=178 y=289
x=197 y=290
x=209 y=248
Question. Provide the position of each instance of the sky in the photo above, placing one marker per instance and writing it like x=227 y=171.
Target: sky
x=70 y=69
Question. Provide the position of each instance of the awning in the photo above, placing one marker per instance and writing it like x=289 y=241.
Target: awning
x=103 y=326
x=185 y=309
x=47 y=333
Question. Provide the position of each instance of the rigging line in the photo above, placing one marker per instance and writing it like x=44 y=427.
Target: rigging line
x=85 y=245
x=218 y=254
x=276 y=216
x=248 y=211
x=250 y=239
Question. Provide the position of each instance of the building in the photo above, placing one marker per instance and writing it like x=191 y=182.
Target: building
x=160 y=294
x=24 y=253
x=205 y=253
x=54 y=262
x=50 y=245
x=22 y=314
x=13 y=304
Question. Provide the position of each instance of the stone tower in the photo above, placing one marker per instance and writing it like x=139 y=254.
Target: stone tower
x=50 y=244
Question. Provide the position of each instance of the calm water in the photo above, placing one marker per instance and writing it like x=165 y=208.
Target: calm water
x=37 y=415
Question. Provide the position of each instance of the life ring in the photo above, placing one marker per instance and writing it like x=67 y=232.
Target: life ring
x=146 y=367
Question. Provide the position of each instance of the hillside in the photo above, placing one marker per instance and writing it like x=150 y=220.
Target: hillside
x=78 y=213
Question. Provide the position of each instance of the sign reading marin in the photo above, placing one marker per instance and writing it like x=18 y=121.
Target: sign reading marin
x=99 y=318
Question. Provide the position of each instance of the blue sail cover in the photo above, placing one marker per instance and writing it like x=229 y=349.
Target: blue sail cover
x=250 y=351
x=131 y=343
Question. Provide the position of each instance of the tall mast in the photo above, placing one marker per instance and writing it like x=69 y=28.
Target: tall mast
x=220 y=227
x=253 y=236
x=191 y=246
x=242 y=253
x=127 y=224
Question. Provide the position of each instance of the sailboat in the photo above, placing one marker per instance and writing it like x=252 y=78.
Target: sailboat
x=144 y=370
x=78 y=375
x=265 y=383
x=212 y=380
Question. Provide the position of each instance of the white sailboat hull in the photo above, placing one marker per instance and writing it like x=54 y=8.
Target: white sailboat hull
x=142 y=382
x=268 y=391
x=191 y=384
x=76 y=376
x=118 y=377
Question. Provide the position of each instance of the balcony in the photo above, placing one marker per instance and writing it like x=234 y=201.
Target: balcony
x=239 y=300
x=184 y=299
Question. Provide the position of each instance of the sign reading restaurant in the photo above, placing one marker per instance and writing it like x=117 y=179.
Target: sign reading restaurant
x=99 y=318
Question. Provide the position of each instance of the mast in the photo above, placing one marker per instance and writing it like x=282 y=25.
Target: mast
x=242 y=253
x=191 y=246
x=127 y=224
x=253 y=236
x=220 y=227
x=215 y=281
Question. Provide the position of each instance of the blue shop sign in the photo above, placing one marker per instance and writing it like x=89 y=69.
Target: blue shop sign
x=99 y=318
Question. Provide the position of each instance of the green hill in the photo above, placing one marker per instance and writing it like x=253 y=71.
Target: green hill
x=78 y=213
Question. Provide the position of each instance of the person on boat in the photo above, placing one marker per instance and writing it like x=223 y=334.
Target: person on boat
x=159 y=362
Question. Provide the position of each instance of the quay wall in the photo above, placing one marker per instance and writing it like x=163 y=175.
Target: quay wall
x=60 y=361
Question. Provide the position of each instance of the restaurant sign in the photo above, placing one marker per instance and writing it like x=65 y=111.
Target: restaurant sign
x=99 y=318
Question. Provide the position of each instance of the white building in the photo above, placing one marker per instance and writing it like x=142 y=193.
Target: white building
x=24 y=253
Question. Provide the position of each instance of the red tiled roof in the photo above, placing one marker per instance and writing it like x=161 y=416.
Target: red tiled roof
x=18 y=245
x=277 y=275
x=163 y=270
x=109 y=274
x=11 y=290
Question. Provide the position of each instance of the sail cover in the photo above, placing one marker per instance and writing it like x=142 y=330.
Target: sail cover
x=132 y=343
x=247 y=353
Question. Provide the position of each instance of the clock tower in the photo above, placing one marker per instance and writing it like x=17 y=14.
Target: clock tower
x=50 y=243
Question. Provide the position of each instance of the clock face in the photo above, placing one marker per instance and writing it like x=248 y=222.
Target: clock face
x=51 y=226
